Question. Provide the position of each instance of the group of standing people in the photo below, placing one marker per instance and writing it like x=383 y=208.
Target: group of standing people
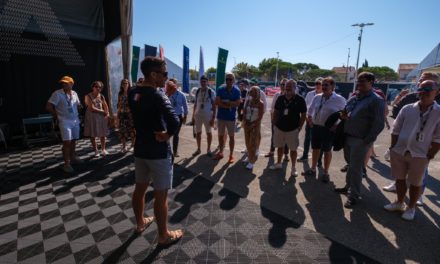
x=156 y=116
x=65 y=106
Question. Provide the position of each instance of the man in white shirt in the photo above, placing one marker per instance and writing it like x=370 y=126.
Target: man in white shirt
x=204 y=112
x=308 y=136
x=322 y=106
x=415 y=140
x=63 y=104
x=272 y=109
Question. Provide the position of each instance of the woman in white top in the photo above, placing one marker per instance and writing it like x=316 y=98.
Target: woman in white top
x=252 y=114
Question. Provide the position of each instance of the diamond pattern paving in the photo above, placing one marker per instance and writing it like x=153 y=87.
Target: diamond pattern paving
x=47 y=216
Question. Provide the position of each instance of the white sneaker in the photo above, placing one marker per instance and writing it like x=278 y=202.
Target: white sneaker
x=294 y=173
x=97 y=155
x=249 y=166
x=395 y=206
x=420 y=201
x=246 y=160
x=276 y=166
x=131 y=149
x=67 y=168
x=386 y=155
x=409 y=214
x=104 y=152
x=390 y=188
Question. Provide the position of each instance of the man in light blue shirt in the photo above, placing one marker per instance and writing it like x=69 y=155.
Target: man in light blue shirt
x=178 y=101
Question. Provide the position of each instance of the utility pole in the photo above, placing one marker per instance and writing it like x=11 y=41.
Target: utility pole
x=276 y=72
x=361 y=25
x=348 y=66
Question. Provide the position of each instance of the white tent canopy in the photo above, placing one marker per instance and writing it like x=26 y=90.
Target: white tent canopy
x=430 y=63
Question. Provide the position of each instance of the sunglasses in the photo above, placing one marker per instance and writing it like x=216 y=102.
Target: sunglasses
x=282 y=84
x=425 y=89
x=164 y=74
x=318 y=83
x=229 y=79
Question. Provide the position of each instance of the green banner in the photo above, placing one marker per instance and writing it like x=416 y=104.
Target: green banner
x=135 y=63
x=221 y=67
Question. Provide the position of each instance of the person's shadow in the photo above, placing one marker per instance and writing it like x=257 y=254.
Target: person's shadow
x=279 y=194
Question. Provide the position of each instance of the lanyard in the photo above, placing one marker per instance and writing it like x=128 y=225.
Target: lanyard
x=69 y=101
x=322 y=103
x=423 y=122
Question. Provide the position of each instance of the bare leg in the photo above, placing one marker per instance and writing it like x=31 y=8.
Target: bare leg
x=138 y=202
x=280 y=154
x=93 y=141
x=293 y=154
x=66 y=152
x=221 y=143
x=327 y=161
x=414 y=195
x=102 y=139
x=401 y=190
x=199 y=140
x=72 y=149
x=231 y=145
x=209 y=136
x=315 y=156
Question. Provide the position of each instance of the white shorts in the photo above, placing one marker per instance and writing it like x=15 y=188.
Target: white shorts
x=281 y=138
x=202 y=120
x=69 y=130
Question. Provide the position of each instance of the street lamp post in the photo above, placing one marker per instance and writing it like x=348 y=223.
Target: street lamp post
x=361 y=25
x=276 y=72
x=348 y=65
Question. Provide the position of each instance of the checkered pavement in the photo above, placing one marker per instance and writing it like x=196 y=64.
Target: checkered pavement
x=47 y=216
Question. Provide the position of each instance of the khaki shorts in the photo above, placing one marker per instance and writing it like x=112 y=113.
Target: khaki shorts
x=281 y=138
x=226 y=125
x=407 y=166
x=201 y=120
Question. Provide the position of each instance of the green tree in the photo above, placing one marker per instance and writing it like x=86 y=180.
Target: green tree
x=193 y=74
x=383 y=73
x=365 y=64
x=210 y=72
x=312 y=74
x=244 y=70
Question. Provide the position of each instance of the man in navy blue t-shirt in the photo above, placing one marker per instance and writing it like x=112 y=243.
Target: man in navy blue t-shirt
x=155 y=122
x=227 y=101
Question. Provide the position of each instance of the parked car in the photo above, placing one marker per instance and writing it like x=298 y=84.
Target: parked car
x=271 y=91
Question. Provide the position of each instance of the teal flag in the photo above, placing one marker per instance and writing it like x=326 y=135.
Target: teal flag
x=221 y=67
x=135 y=63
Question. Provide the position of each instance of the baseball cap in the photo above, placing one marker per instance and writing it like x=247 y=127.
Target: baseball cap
x=204 y=78
x=67 y=79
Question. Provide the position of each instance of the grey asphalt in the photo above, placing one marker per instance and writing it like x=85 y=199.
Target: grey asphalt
x=367 y=228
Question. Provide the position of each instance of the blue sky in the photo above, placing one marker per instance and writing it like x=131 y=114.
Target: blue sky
x=312 y=31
